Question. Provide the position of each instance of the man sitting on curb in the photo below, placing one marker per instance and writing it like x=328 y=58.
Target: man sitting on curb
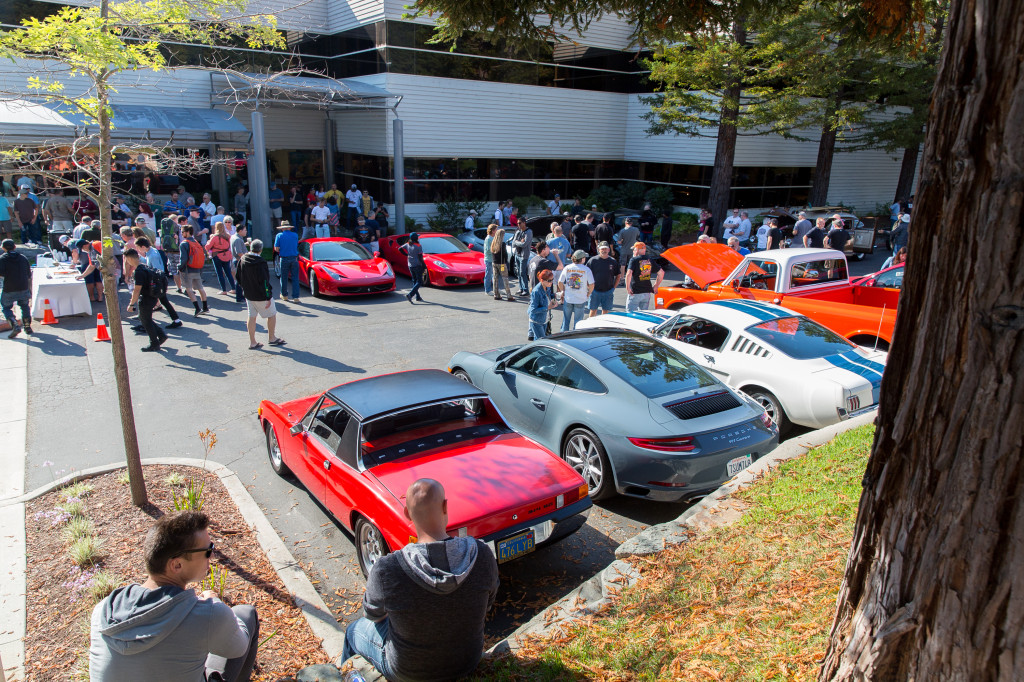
x=425 y=604
x=160 y=631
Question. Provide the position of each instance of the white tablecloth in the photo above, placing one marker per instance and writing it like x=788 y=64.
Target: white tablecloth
x=67 y=295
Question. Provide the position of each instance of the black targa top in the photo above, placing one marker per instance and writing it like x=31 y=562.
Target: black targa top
x=377 y=396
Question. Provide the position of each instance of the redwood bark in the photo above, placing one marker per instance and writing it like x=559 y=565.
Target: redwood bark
x=934 y=585
x=725 y=150
x=908 y=169
x=823 y=167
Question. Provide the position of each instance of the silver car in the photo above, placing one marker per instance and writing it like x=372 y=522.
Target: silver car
x=631 y=414
x=474 y=239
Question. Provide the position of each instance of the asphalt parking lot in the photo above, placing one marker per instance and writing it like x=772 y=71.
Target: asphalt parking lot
x=208 y=378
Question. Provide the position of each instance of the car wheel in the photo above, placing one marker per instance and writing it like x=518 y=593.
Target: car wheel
x=474 y=405
x=370 y=545
x=584 y=452
x=772 y=406
x=425 y=278
x=314 y=286
x=274 y=451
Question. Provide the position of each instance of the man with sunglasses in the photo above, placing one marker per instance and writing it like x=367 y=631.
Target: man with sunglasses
x=161 y=630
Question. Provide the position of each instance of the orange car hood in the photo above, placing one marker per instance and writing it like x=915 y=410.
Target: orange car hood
x=704 y=263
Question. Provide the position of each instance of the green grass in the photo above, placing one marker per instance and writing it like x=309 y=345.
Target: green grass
x=77 y=527
x=749 y=601
x=174 y=479
x=123 y=478
x=86 y=551
x=75 y=490
x=103 y=583
x=74 y=507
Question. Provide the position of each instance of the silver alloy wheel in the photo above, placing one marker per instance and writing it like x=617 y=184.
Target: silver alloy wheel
x=474 y=405
x=768 y=404
x=371 y=544
x=314 y=288
x=581 y=454
x=274 y=449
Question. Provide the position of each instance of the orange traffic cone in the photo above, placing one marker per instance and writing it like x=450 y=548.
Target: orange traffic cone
x=101 y=329
x=48 y=317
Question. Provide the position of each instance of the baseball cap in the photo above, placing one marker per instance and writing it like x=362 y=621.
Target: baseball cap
x=579 y=254
x=593 y=206
x=473 y=212
x=64 y=239
x=906 y=218
x=7 y=245
x=24 y=188
x=603 y=245
x=558 y=196
x=354 y=186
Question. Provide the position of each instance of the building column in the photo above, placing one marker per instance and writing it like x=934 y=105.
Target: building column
x=259 y=184
x=218 y=176
x=399 y=165
x=330 y=146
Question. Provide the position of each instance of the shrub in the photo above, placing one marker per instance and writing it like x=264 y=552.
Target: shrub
x=604 y=196
x=72 y=507
x=450 y=215
x=174 y=479
x=524 y=204
x=660 y=198
x=687 y=222
x=631 y=195
x=75 y=490
x=78 y=527
x=411 y=225
x=123 y=478
x=103 y=583
x=215 y=580
x=86 y=551
x=192 y=498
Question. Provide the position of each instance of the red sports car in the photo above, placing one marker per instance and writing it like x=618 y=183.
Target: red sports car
x=359 y=446
x=338 y=266
x=449 y=261
x=890 y=278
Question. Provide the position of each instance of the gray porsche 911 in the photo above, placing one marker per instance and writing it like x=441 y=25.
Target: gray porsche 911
x=629 y=413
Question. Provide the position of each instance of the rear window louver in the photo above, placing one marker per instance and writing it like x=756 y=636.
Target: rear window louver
x=704 y=405
x=745 y=345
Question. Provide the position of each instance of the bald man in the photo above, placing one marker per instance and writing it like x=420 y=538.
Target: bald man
x=425 y=604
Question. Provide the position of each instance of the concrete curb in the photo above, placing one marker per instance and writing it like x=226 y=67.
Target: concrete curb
x=13 y=423
x=321 y=621
x=716 y=508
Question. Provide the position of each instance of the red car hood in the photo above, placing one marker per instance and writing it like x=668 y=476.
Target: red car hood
x=460 y=261
x=483 y=477
x=704 y=263
x=357 y=268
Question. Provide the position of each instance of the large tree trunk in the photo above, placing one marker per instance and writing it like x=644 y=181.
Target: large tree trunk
x=907 y=171
x=934 y=587
x=823 y=167
x=725 y=150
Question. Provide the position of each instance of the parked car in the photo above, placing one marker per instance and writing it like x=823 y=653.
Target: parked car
x=797 y=370
x=338 y=266
x=474 y=239
x=628 y=412
x=889 y=278
x=357 y=447
x=862 y=236
x=449 y=261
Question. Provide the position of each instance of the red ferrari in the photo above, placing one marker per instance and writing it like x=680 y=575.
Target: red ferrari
x=338 y=266
x=358 y=447
x=449 y=262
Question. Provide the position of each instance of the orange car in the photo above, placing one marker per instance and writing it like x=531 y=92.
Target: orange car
x=812 y=282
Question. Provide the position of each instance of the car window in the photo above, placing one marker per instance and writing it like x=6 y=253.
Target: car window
x=892 y=279
x=694 y=330
x=542 y=362
x=757 y=274
x=481 y=233
x=339 y=252
x=442 y=245
x=329 y=423
x=817 y=272
x=304 y=249
x=800 y=338
x=579 y=377
x=653 y=368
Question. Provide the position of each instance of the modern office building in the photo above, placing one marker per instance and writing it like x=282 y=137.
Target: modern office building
x=483 y=121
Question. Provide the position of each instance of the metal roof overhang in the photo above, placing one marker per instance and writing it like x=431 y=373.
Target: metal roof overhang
x=301 y=91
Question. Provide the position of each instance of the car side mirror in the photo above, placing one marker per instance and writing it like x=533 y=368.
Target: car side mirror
x=736 y=284
x=296 y=430
x=471 y=247
x=376 y=254
x=499 y=368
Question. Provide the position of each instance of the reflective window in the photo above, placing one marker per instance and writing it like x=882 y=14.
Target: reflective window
x=892 y=279
x=339 y=252
x=541 y=362
x=329 y=423
x=442 y=244
x=653 y=368
x=579 y=377
x=800 y=338
x=694 y=330
x=817 y=272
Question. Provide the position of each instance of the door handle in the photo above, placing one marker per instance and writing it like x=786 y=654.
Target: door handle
x=327 y=465
x=537 y=403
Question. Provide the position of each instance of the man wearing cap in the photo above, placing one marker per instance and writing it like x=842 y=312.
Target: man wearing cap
x=191 y=263
x=199 y=228
x=838 y=236
x=640 y=274
x=576 y=282
x=286 y=246
x=555 y=206
x=26 y=211
x=353 y=197
x=16 y=272
x=417 y=267
x=607 y=273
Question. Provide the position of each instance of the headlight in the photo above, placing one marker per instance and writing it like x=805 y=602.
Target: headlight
x=388 y=270
x=442 y=265
x=333 y=275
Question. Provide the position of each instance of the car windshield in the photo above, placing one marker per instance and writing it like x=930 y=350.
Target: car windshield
x=335 y=252
x=654 y=369
x=421 y=429
x=442 y=245
x=800 y=338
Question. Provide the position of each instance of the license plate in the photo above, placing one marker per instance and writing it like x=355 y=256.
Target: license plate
x=739 y=464
x=515 y=546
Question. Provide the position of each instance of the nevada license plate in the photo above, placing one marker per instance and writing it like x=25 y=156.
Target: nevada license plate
x=515 y=546
x=739 y=464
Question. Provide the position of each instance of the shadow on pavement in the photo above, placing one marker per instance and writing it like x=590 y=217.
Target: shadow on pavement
x=643 y=511
x=49 y=344
x=191 y=364
x=312 y=359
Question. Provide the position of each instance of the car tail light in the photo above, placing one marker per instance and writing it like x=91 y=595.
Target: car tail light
x=574 y=495
x=667 y=484
x=853 y=403
x=766 y=420
x=677 y=444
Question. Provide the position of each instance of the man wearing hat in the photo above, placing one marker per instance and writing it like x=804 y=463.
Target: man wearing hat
x=607 y=274
x=900 y=234
x=286 y=246
x=353 y=197
x=17 y=288
x=471 y=221
x=640 y=279
x=576 y=284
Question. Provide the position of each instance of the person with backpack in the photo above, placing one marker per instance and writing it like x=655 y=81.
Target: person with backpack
x=157 y=261
x=150 y=286
x=193 y=259
x=169 y=245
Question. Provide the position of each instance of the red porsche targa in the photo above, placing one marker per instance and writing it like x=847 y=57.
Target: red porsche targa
x=357 y=448
x=450 y=263
x=338 y=266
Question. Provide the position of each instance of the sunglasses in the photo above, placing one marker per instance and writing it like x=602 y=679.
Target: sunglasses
x=208 y=550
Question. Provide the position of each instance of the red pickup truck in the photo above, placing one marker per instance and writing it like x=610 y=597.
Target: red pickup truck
x=812 y=282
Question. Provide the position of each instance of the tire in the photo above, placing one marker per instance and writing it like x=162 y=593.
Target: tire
x=772 y=406
x=425 y=278
x=274 y=451
x=583 y=451
x=314 y=286
x=472 y=404
x=370 y=545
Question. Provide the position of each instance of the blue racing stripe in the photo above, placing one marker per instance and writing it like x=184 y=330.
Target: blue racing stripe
x=870 y=373
x=654 y=319
x=752 y=309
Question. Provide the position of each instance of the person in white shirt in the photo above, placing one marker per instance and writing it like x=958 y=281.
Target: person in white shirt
x=731 y=224
x=762 y=235
x=576 y=282
x=471 y=221
x=499 y=215
x=555 y=206
x=743 y=231
x=208 y=207
x=320 y=214
x=353 y=197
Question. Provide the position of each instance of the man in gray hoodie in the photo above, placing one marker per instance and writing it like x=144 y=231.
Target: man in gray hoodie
x=425 y=604
x=160 y=631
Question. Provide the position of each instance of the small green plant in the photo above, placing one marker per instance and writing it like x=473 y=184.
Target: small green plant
x=411 y=225
x=191 y=499
x=174 y=479
x=103 y=583
x=73 y=507
x=123 y=478
x=78 y=527
x=86 y=551
x=75 y=490
x=215 y=580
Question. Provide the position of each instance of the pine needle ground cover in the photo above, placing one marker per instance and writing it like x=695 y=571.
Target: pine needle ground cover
x=752 y=600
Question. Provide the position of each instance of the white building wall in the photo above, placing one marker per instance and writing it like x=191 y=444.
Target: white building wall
x=343 y=15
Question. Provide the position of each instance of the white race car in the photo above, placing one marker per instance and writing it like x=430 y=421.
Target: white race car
x=799 y=371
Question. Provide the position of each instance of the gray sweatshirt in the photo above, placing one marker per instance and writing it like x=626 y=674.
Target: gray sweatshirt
x=161 y=635
x=435 y=597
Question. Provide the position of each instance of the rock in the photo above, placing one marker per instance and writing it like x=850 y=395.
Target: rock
x=322 y=672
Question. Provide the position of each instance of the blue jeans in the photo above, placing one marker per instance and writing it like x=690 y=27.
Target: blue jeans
x=296 y=217
x=290 y=266
x=488 y=277
x=602 y=300
x=20 y=298
x=223 y=270
x=538 y=329
x=417 y=282
x=353 y=213
x=523 y=270
x=568 y=311
x=636 y=302
x=366 y=638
